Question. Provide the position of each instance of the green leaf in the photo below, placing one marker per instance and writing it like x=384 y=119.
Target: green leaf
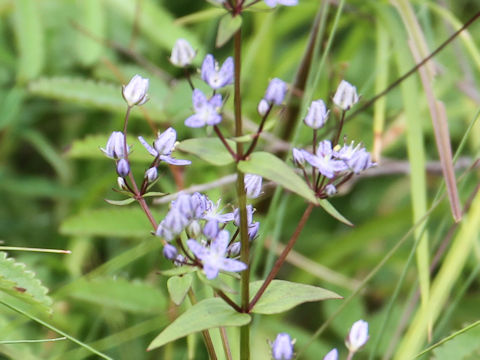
x=227 y=27
x=120 y=202
x=270 y=167
x=330 y=209
x=29 y=36
x=462 y=344
x=178 y=271
x=87 y=92
x=154 y=194
x=209 y=149
x=281 y=296
x=206 y=314
x=117 y=222
x=178 y=287
x=120 y=294
x=16 y=280
x=92 y=18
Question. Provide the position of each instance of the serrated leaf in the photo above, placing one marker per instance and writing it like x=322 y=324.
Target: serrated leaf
x=120 y=202
x=120 y=294
x=206 y=314
x=281 y=296
x=89 y=148
x=89 y=93
x=227 y=27
x=178 y=287
x=270 y=167
x=16 y=280
x=209 y=149
x=117 y=222
x=29 y=35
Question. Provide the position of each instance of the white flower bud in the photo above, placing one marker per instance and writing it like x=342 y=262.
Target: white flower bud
x=346 y=95
x=253 y=185
x=358 y=336
x=182 y=53
x=151 y=174
x=298 y=157
x=317 y=115
x=330 y=190
x=115 y=148
x=121 y=183
x=332 y=355
x=263 y=107
x=135 y=92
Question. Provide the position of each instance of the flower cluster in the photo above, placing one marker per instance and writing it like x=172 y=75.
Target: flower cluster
x=204 y=222
x=332 y=164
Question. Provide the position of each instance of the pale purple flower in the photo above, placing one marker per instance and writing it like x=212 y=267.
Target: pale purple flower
x=346 y=95
x=214 y=257
x=163 y=147
x=317 y=115
x=282 y=347
x=207 y=111
x=253 y=230
x=115 y=148
x=214 y=75
x=357 y=336
x=253 y=185
x=298 y=157
x=276 y=91
x=169 y=252
x=236 y=215
x=332 y=355
x=324 y=160
x=234 y=249
x=215 y=212
x=357 y=158
x=135 y=92
x=210 y=230
x=123 y=168
x=273 y=3
x=179 y=260
x=182 y=53
x=194 y=229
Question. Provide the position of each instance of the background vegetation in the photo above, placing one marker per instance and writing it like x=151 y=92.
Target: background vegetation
x=62 y=66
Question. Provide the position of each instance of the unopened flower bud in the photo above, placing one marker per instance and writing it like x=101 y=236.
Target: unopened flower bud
x=123 y=168
x=330 y=190
x=346 y=95
x=276 y=91
x=332 y=355
x=358 y=336
x=121 y=183
x=253 y=230
x=263 y=107
x=151 y=174
x=115 y=148
x=317 y=115
x=298 y=157
x=234 y=249
x=182 y=53
x=194 y=230
x=253 y=185
x=179 y=260
x=135 y=92
x=169 y=251
x=210 y=230
x=282 y=347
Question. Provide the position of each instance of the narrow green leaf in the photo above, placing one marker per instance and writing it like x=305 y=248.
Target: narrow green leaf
x=117 y=222
x=206 y=314
x=272 y=168
x=178 y=271
x=330 y=209
x=90 y=93
x=29 y=36
x=178 y=287
x=281 y=296
x=120 y=202
x=209 y=149
x=120 y=294
x=227 y=27
x=154 y=194
x=16 y=280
